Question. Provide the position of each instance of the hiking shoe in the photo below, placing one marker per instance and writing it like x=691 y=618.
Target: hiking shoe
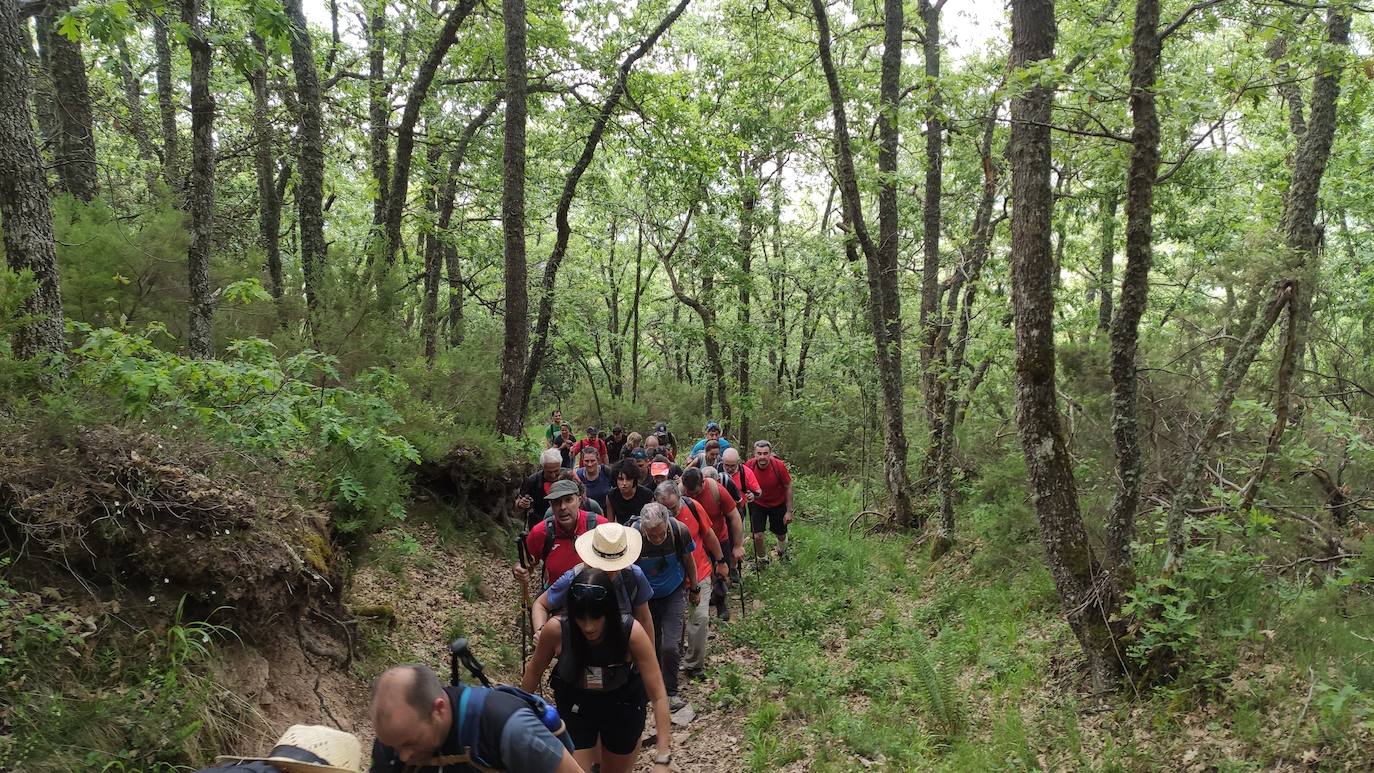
x=675 y=702
x=781 y=556
x=724 y=613
x=760 y=563
x=694 y=674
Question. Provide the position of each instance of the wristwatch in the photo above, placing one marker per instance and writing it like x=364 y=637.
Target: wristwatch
x=663 y=759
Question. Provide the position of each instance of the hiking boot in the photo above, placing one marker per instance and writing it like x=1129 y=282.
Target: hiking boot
x=781 y=556
x=724 y=613
x=694 y=674
x=760 y=563
x=675 y=702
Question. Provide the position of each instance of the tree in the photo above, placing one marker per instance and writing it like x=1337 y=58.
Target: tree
x=201 y=195
x=1084 y=589
x=309 y=158
x=25 y=211
x=75 y=152
x=265 y=169
x=510 y=411
x=166 y=106
x=884 y=303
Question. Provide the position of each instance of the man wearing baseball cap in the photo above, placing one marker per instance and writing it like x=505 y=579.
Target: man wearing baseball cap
x=613 y=548
x=552 y=540
x=712 y=433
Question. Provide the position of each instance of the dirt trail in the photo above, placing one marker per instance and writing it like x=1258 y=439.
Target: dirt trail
x=438 y=589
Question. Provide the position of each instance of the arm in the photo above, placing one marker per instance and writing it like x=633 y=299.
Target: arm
x=708 y=535
x=545 y=648
x=642 y=649
x=736 y=532
x=539 y=613
x=645 y=620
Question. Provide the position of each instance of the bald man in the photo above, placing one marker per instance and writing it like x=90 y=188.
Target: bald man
x=415 y=719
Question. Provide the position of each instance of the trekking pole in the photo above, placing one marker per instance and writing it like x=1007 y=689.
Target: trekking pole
x=458 y=652
x=522 y=552
x=741 y=590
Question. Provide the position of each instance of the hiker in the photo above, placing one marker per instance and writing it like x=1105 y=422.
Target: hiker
x=536 y=487
x=709 y=456
x=708 y=549
x=615 y=445
x=712 y=433
x=746 y=482
x=713 y=473
x=725 y=522
x=632 y=441
x=555 y=427
x=641 y=460
x=593 y=441
x=608 y=541
x=666 y=439
x=564 y=442
x=659 y=471
x=301 y=749
x=552 y=541
x=594 y=475
x=627 y=499
x=773 y=505
x=668 y=558
x=587 y=502
x=418 y=724
x=607 y=671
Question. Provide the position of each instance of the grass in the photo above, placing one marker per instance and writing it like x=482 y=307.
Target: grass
x=872 y=657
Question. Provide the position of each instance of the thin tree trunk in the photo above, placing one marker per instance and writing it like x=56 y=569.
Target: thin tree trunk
x=1135 y=291
x=931 y=321
x=75 y=152
x=510 y=412
x=265 y=166
x=133 y=102
x=201 y=201
x=1106 y=265
x=447 y=199
x=378 y=111
x=40 y=76
x=456 y=333
x=749 y=197
x=564 y=230
x=25 y=210
x=1083 y=589
x=639 y=289
x=615 y=376
x=883 y=303
x=167 y=107
x=405 y=130
x=434 y=258
x=309 y=160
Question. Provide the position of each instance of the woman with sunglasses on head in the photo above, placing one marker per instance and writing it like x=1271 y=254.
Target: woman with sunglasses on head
x=607 y=672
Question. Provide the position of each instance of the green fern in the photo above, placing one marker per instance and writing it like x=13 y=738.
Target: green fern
x=939 y=696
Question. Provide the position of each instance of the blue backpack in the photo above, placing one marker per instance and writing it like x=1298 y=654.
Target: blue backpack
x=473 y=701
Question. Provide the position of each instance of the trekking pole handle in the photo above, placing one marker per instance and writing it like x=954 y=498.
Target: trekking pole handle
x=459 y=651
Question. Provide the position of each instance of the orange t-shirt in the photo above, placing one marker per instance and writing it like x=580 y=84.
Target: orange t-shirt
x=695 y=521
x=715 y=508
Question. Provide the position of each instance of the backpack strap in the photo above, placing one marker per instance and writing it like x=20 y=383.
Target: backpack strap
x=548 y=538
x=590 y=520
x=471 y=704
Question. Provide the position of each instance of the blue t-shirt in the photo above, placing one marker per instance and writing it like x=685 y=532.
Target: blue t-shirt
x=700 y=447
x=599 y=488
x=630 y=594
x=665 y=570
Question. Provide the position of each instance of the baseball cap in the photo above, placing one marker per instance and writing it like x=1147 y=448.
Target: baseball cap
x=638 y=453
x=562 y=488
x=657 y=468
x=662 y=427
x=710 y=425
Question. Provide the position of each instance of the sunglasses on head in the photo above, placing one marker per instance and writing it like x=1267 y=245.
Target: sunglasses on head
x=583 y=591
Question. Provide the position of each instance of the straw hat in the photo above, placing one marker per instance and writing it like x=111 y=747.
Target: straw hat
x=609 y=547
x=311 y=749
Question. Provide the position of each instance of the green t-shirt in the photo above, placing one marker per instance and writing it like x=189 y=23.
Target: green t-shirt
x=550 y=431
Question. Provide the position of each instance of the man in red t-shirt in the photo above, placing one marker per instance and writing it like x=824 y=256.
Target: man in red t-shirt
x=725 y=522
x=558 y=551
x=592 y=440
x=744 y=478
x=773 y=506
x=708 y=553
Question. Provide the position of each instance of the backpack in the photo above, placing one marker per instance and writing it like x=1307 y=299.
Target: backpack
x=549 y=526
x=473 y=702
x=682 y=555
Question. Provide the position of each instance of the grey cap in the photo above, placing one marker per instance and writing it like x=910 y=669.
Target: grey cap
x=562 y=488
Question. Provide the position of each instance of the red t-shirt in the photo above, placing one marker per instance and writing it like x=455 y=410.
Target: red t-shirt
x=597 y=443
x=716 y=511
x=563 y=556
x=774 y=480
x=696 y=526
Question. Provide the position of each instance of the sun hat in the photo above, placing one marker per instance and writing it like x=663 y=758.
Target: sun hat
x=311 y=749
x=658 y=468
x=562 y=488
x=609 y=547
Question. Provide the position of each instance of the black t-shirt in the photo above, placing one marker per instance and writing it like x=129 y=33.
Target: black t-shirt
x=496 y=713
x=615 y=448
x=620 y=509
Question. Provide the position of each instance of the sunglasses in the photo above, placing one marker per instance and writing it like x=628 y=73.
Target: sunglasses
x=583 y=591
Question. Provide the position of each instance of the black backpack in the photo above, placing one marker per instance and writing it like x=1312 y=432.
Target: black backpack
x=681 y=554
x=549 y=527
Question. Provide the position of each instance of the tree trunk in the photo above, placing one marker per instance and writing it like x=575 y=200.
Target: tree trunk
x=456 y=332
x=167 y=107
x=1303 y=236
x=434 y=259
x=447 y=198
x=1083 y=588
x=378 y=111
x=25 y=210
x=616 y=373
x=1135 y=290
x=639 y=289
x=884 y=307
x=749 y=197
x=405 y=130
x=510 y=412
x=133 y=102
x=564 y=230
x=309 y=160
x=931 y=322
x=265 y=166
x=75 y=152
x=201 y=201
x=40 y=78
x=1106 y=265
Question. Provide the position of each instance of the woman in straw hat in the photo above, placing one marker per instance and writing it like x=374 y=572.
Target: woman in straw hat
x=612 y=548
x=302 y=749
x=607 y=672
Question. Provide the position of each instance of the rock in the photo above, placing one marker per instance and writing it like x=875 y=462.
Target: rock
x=685 y=715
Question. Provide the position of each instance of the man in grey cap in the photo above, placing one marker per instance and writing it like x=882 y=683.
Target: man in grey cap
x=552 y=541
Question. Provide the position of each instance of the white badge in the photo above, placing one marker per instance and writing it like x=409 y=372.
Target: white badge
x=594 y=680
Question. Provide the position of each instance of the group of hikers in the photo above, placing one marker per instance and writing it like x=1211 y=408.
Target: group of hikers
x=624 y=557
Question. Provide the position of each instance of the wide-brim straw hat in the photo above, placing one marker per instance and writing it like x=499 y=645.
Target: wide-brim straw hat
x=609 y=547
x=311 y=749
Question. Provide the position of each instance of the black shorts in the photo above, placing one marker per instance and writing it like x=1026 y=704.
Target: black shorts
x=772 y=516
x=614 y=717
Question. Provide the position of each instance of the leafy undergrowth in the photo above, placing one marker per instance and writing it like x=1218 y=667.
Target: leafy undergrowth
x=871 y=657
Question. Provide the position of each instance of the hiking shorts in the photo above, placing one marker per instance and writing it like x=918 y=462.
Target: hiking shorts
x=615 y=717
x=771 y=516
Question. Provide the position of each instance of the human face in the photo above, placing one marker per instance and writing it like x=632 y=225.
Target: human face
x=565 y=511
x=669 y=501
x=731 y=460
x=415 y=738
x=763 y=455
x=557 y=417
x=592 y=627
x=656 y=534
x=643 y=465
x=651 y=445
x=551 y=470
x=591 y=461
x=625 y=485
x=712 y=454
x=713 y=434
